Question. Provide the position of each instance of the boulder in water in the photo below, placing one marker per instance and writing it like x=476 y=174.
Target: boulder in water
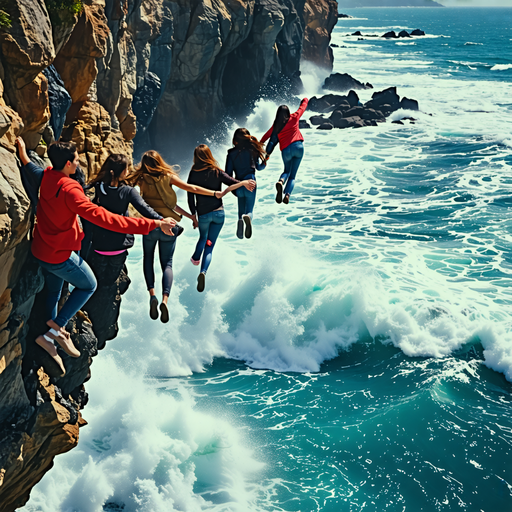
x=409 y=104
x=390 y=35
x=317 y=120
x=352 y=98
x=342 y=82
x=403 y=33
x=357 y=33
x=354 y=111
x=325 y=126
x=303 y=124
x=417 y=32
x=387 y=96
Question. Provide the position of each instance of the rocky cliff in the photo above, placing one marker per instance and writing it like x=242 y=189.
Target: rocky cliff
x=112 y=75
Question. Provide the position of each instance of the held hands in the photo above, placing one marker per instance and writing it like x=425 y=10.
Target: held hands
x=195 y=222
x=166 y=225
x=249 y=184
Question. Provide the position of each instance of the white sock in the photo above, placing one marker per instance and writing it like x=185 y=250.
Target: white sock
x=47 y=338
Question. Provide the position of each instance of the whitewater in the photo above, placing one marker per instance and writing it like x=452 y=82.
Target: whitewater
x=356 y=352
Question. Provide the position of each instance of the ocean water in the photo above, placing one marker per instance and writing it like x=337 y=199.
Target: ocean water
x=356 y=353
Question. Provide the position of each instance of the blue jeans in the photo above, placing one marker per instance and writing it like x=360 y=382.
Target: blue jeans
x=292 y=157
x=246 y=200
x=77 y=273
x=166 y=246
x=210 y=225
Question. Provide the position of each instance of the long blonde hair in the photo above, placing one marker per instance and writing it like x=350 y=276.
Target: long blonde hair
x=152 y=164
x=203 y=159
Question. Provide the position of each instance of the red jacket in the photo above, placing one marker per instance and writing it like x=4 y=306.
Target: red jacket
x=57 y=231
x=290 y=133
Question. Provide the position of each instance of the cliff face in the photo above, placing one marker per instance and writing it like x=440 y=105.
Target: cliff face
x=149 y=72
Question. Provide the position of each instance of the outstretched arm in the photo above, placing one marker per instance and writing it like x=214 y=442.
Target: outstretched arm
x=193 y=188
x=302 y=107
x=248 y=184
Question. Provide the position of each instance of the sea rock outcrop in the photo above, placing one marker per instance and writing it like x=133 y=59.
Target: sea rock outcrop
x=118 y=73
x=349 y=112
x=320 y=17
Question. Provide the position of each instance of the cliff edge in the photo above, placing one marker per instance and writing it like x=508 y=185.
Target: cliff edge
x=112 y=75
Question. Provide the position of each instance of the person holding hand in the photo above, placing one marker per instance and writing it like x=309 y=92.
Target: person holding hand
x=57 y=236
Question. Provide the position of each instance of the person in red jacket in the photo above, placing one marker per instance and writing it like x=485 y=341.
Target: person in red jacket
x=285 y=130
x=58 y=234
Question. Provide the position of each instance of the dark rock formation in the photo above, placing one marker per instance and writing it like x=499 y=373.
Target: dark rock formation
x=320 y=17
x=417 y=32
x=343 y=82
x=403 y=33
x=357 y=33
x=303 y=124
x=409 y=104
x=347 y=112
x=325 y=126
x=390 y=35
x=59 y=100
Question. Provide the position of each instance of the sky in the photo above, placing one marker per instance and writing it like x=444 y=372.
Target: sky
x=476 y=3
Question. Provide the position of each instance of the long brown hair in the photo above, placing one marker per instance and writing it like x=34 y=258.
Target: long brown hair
x=203 y=159
x=242 y=139
x=152 y=164
x=111 y=169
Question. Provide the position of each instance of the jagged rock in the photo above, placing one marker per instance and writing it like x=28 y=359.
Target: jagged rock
x=334 y=45
x=357 y=33
x=391 y=34
x=356 y=111
x=340 y=122
x=145 y=101
x=403 y=33
x=317 y=120
x=352 y=98
x=303 y=124
x=325 y=126
x=59 y=100
x=387 y=96
x=417 y=32
x=355 y=122
x=342 y=82
x=76 y=61
x=371 y=114
x=320 y=17
x=397 y=122
x=325 y=102
x=409 y=104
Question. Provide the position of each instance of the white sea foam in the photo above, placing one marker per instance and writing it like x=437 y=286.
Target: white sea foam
x=501 y=67
x=144 y=450
x=469 y=43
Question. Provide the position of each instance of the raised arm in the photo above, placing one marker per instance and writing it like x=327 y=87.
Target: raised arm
x=302 y=107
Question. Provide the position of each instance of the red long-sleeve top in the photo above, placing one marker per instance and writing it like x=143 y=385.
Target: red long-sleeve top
x=57 y=231
x=290 y=133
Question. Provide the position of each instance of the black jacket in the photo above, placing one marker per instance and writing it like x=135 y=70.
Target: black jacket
x=117 y=200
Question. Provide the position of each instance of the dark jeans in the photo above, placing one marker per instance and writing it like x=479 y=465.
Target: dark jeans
x=246 y=200
x=106 y=268
x=166 y=246
x=210 y=225
x=292 y=157
x=77 y=273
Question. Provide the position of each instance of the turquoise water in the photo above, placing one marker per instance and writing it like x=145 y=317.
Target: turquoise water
x=356 y=353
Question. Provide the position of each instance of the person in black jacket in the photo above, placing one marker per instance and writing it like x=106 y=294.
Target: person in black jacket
x=244 y=159
x=206 y=173
x=108 y=251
